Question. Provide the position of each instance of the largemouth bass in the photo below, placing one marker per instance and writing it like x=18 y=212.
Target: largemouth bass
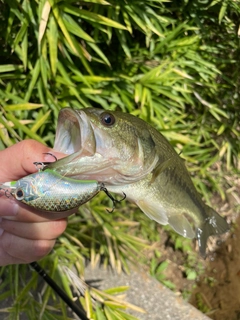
x=128 y=155
x=49 y=191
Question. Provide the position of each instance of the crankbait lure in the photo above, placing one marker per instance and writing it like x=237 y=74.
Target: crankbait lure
x=49 y=191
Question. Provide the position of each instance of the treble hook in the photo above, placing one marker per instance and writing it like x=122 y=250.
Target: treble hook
x=7 y=193
x=39 y=165
x=44 y=164
x=104 y=189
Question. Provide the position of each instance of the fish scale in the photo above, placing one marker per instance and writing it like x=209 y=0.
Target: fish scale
x=53 y=203
x=128 y=155
x=49 y=191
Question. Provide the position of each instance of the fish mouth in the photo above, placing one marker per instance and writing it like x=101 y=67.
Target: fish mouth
x=77 y=137
x=74 y=132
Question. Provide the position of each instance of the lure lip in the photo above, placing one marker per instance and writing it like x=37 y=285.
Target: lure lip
x=8 y=185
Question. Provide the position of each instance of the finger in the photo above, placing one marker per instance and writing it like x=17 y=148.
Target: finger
x=23 y=250
x=17 y=160
x=47 y=230
x=6 y=259
x=8 y=207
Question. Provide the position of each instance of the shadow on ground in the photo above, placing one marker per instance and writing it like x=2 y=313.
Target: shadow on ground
x=218 y=292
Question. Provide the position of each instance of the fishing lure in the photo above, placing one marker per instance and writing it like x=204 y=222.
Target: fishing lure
x=49 y=191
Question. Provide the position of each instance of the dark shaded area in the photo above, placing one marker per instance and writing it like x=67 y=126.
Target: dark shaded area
x=218 y=291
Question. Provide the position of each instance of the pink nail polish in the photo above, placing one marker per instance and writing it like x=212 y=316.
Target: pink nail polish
x=49 y=157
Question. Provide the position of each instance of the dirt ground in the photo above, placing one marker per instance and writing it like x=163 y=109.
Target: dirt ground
x=217 y=291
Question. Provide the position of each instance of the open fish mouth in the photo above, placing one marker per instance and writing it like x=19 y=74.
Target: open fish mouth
x=74 y=132
x=78 y=138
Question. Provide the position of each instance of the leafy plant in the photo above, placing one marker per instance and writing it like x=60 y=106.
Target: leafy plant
x=157 y=271
x=202 y=305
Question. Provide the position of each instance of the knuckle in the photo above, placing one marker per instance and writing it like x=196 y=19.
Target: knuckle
x=30 y=146
x=7 y=242
x=27 y=146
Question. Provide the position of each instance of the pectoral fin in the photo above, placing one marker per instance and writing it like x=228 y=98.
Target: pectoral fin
x=160 y=167
x=181 y=225
x=153 y=211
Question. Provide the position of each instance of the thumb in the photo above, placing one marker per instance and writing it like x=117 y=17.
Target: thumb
x=17 y=160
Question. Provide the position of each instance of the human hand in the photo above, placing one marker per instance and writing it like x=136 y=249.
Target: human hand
x=25 y=236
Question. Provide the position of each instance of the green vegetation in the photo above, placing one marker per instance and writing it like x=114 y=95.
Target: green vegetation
x=173 y=63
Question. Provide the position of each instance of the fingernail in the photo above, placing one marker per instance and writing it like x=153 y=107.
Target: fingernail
x=49 y=157
x=14 y=208
x=1 y=232
x=8 y=208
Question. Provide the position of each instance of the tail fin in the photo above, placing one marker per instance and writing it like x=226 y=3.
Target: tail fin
x=214 y=224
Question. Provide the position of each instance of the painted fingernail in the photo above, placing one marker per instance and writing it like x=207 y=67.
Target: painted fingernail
x=1 y=232
x=49 y=157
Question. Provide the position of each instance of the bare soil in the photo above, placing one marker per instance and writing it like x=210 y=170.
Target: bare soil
x=217 y=291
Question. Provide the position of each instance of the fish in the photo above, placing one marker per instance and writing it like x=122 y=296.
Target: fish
x=49 y=191
x=129 y=155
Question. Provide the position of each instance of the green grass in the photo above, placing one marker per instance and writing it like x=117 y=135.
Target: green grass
x=174 y=64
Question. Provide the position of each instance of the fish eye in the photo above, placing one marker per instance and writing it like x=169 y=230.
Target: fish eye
x=107 y=119
x=19 y=194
